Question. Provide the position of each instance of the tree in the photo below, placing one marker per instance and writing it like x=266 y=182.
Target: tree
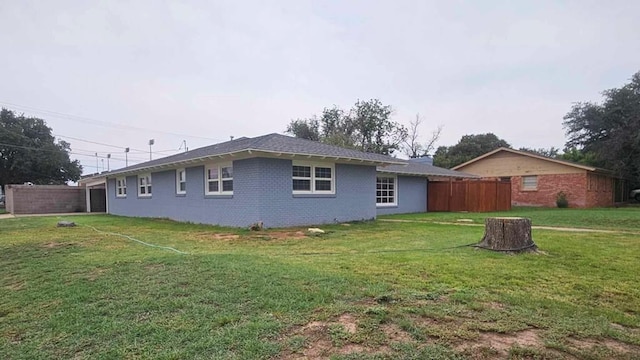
x=30 y=153
x=552 y=152
x=469 y=147
x=610 y=130
x=367 y=126
x=412 y=146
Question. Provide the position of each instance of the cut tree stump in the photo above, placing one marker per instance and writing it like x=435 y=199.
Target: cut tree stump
x=507 y=234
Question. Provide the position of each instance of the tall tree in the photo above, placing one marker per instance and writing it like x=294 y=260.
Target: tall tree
x=609 y=130
x=469 y=147
x=367 y=126
x=29 y=152
x=552 y=152
x=412 y=146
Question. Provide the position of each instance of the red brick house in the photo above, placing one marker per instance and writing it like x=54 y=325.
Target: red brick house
x=536 y=180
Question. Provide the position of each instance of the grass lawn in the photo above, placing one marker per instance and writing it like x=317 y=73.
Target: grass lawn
x=623 y=219
x=373 y=290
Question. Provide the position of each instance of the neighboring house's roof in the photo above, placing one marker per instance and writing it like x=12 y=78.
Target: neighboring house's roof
x=535 y=156
x=421 y=169
x=271 y=145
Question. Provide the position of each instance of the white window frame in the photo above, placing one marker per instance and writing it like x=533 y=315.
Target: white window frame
x=147 y=186
x=181 y=181
x=121 y=187
x=220 y=178
x=395 y=191
x=313 y=178
x=529 y=188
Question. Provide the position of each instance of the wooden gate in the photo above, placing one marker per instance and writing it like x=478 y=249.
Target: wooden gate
x=469 y=195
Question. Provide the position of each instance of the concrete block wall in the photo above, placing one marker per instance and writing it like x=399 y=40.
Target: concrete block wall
x=45 y=199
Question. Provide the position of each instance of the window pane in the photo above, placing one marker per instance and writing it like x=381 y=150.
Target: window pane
x=149 y=189
x=227 y=185
x=213 y=186
x=323 y=172
x=212 y=173
x=124 y=191
x=181 y=175
x=183 y=186
x=143 y=190
x=301 y=171
x=302 y=185
x=323 y=185
x=227 y=172
x=142 y=181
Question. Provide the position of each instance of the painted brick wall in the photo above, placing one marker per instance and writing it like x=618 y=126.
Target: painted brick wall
x=262 y=192
x=573 y=185
x=45 y=199
x=412 y=196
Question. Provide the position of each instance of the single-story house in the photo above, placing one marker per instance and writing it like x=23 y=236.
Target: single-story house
x=537 y=180
x=273 y=179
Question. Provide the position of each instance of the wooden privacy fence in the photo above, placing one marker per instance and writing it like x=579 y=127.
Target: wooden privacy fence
x=469 y=195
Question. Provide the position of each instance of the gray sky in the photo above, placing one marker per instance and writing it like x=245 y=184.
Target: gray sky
x=202 y=71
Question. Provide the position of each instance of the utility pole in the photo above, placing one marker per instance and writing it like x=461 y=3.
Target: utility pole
x=108 y=157
x=151 y=142
x=126 y=158
x=97 y=167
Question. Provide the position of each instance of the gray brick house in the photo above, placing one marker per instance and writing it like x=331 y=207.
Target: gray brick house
x=274 y=179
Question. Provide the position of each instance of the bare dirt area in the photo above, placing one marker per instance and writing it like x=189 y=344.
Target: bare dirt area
x=321 y=342
x=502 y=343
x=616 y=346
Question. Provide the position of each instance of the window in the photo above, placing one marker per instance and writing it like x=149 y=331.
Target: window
x=181 y=181
x=386 y=193
x=312 y=179
x=530 y=182
x=218 y=179
x=121 y=187
x=144 y=185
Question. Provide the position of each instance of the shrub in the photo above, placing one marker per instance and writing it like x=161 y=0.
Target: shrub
x=561 y=200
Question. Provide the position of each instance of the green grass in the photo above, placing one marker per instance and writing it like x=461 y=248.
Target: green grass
x=373 y=290
x=624 y=219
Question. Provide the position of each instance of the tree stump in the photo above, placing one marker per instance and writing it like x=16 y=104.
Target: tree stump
x=508 y=234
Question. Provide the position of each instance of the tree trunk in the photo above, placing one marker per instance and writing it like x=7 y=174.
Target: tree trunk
x=508 y=234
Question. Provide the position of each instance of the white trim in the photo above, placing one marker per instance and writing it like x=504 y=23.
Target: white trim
x=220 y=178
x=124 y=187
x=178 y=182
x=395 y=191
x=312 y=178
x=147 y=186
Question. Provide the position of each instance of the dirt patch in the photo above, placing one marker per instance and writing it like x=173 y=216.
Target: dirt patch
x=395 y=334
x=53 y=245
x=96 y=273
x=278 y=235
x=223 y=236
x=611 y=344
x=16 y=286
x=319 y=344
x=501 y=343
x=349 y=323
x=494 y=305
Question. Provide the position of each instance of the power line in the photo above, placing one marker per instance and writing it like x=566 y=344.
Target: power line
x=99 y=122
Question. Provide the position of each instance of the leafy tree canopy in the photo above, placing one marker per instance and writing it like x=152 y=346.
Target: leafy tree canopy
x=367 y=126
x=552 y=152
x=30 y=153
x=469 y=147
x=609 y=132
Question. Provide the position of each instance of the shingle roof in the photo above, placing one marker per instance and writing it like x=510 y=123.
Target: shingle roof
x=536 y=156
x=420 y=169
x=275 y=144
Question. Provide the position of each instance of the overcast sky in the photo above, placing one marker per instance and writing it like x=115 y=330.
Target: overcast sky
x=123 y=72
